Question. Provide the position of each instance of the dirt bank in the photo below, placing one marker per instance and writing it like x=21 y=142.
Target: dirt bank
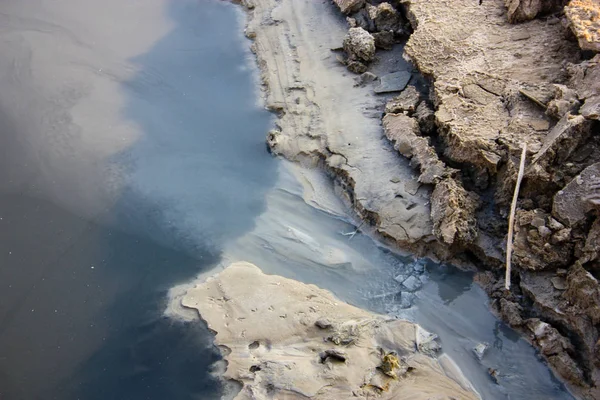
x=439 y=177
x=285 y=339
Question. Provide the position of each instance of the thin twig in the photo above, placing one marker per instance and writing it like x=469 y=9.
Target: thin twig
x=511 y=219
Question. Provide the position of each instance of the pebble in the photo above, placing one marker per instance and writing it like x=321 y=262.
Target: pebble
x=412 y=284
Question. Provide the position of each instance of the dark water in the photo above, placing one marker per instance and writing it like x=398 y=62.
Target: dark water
x=131 y=148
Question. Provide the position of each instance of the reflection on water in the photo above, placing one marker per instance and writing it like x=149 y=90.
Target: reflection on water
x=132 y=148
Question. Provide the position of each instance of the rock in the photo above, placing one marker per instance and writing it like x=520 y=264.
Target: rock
x=453 y=213
x=384 y=40
x=591 y=108
x=584 y=20
x=407 y=300
x=426 y=118
x=403 y=132
x=493 y=373
x=583 y=292
x=418 y=267
x=356 y=66
x=565 y=102
x=276 y=357
x=535 y=247
x=405 y=102
x=480 y=350
x=412 y=284
x=323 y=323
x=511 y=313
x=349 y=6
x=384 y=16
x=525 y=10
x=561 y=236
x=566 y=136
x=585 y=78
x=427 y=342
x=359 y=45
x=364 y=21
x=556 y=347
x=365 y=78
x=333 y=355
x=554 y=224
x=570 y=204
x=559 y=283
x=393 y=82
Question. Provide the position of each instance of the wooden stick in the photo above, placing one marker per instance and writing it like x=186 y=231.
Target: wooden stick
x=511 y=218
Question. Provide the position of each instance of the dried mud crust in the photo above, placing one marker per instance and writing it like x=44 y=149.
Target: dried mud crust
x=495 y=86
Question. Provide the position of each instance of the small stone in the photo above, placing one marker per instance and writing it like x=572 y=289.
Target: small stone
x=394 y=82
x=538 y=221
x=559 y=283
x=359 y=45
x=407 y=299
x=561 y=272
x=412 y=284
x=333 y=355
x=364 y=78
x=493 y=375
x=356 y=66
x=480 y=350
x=427 y=342
x=544 y=231
x=554 y=224
x=419 y=267
x=384 y=40
x=323 y=323
x=405 y=102
x=561 y=236
x=400 y=278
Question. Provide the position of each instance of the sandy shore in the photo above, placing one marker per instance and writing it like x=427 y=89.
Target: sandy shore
x=285 y=339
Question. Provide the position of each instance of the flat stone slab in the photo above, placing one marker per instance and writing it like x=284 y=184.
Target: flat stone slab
x=394 y=82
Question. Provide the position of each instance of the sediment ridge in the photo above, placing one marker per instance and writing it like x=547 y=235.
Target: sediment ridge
x=284 y=339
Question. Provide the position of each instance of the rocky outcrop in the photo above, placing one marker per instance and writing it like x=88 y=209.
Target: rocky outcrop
x=285 y=339
x=584 y=20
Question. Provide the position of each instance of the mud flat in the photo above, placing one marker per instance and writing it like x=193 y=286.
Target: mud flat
x=285 y=339
x=438 y=178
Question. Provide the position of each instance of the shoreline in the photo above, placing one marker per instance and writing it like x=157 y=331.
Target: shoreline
x=396 y=207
